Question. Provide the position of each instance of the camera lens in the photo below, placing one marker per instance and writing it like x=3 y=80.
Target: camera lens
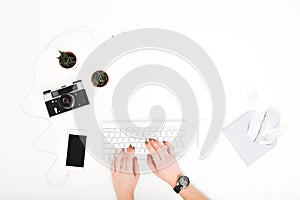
x=66 y=101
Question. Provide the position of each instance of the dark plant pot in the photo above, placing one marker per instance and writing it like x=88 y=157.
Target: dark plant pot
x=99 y=78
x=66 y=65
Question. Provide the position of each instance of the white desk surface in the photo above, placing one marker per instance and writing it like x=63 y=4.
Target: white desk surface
x=255 y=46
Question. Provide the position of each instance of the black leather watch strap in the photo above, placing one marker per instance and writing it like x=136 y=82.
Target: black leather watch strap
x=177 y=188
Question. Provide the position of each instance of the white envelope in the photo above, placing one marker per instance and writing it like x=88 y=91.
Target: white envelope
x=237 y=135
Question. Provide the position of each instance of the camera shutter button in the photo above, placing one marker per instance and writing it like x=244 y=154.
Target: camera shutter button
x=47 y=91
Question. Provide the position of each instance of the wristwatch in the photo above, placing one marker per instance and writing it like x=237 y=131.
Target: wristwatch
x=182 y=183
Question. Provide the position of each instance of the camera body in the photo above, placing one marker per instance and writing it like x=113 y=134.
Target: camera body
x=65 y=99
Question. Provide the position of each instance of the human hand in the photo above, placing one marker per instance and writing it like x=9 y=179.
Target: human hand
x=125 y=174
x=162 y=161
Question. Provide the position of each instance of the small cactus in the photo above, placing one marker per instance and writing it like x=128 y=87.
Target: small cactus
x=66 y=59
x=99 y=78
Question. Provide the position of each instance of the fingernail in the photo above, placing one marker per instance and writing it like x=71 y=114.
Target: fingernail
x=146 y=142
x=150 y=139
x=154 y=139
x=133 y=147
x=164 y=141
x=130 y=146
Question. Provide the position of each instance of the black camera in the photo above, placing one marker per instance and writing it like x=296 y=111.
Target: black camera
x=66 y=98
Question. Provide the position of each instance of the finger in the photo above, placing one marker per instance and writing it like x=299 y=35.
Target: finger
x=129 y=160
x=156 y=145
x=124 y=162
x=161 y=149
x=113 y=167
x=136 y=168
x=150 y=147
x=130 y=148
x=156 y=157
x=118 y=160
x=170 y=147
x=164 y=153
x=151 y=164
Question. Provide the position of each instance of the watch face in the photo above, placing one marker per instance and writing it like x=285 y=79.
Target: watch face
x=184 y=181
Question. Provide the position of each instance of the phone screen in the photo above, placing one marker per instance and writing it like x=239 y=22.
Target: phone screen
x=76 y=150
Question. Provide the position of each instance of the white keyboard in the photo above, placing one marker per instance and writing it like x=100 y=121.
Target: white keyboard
x=117 y=138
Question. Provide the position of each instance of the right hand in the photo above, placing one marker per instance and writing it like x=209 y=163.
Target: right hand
x=162 y=161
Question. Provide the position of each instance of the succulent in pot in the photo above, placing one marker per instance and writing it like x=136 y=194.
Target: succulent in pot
x=99 y=78
x=67 y=59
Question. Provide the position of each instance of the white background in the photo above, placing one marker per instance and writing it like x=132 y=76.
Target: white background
x=254 y=44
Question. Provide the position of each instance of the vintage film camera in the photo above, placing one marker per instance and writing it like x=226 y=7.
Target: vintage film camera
x=66 y=98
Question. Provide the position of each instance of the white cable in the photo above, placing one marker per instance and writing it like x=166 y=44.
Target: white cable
x=47 y=119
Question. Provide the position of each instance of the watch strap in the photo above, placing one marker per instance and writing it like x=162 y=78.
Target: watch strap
x=177 y=188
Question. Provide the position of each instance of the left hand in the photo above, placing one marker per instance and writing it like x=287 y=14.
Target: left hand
x=125 y=174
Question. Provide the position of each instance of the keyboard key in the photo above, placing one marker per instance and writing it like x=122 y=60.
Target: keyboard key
x=131 y=139
x=168 y=133
x=142 y=150
x=115 y=140
x=108 y=146
x=173 y=133
x=121 y=145
x=120 y=140
x=117 y=134
x=143 y=145
x=122 y=135
x=137 y=140
x=113 y=151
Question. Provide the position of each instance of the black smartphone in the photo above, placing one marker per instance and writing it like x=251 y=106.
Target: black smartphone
x=76 y=152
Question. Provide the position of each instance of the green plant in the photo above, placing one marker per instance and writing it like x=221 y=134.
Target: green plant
x=101 y=78
x=66 y=59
